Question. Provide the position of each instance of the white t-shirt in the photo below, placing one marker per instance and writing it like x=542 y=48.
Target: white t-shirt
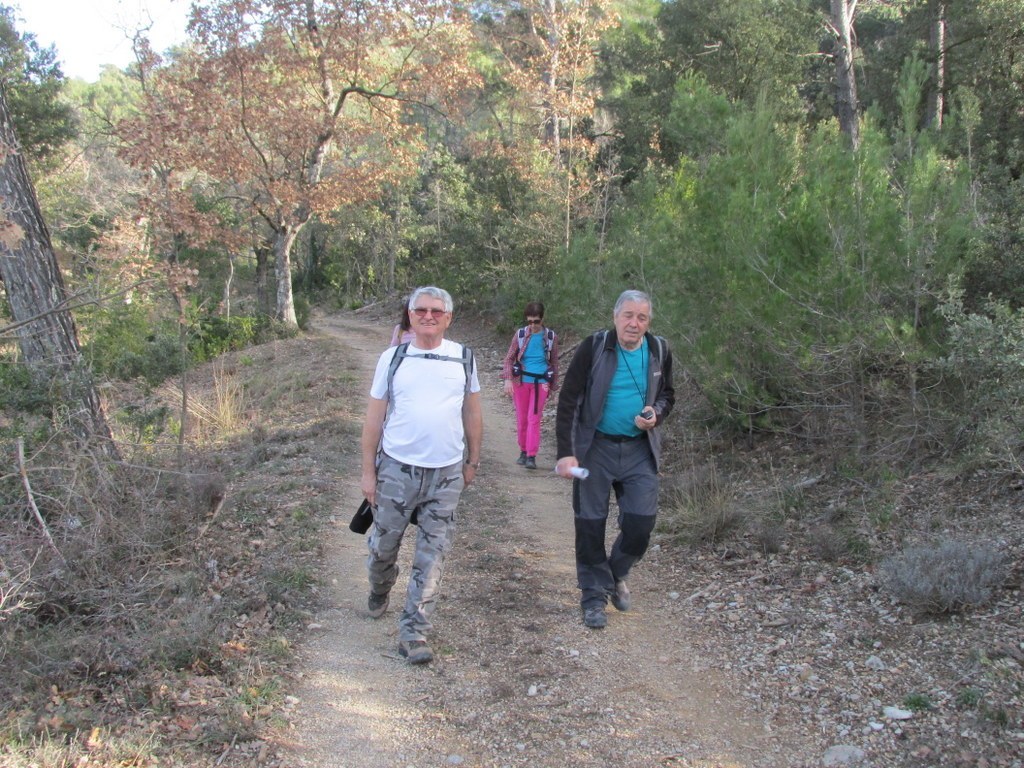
x=425 y=426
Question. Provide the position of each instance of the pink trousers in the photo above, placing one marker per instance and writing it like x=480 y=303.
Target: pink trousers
x=529 y=400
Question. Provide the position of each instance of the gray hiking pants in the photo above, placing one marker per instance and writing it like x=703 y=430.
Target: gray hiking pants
x=401 y=489
x=627 y=467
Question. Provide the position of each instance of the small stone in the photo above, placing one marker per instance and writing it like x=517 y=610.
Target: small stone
x=875 y=663
x=895 y=713
x=842 y=754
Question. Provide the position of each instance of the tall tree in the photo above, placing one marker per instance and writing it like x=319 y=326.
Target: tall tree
x=35 y=290
x=745 y=50
x=847 y=106
x=548 y=51
x=300 y=106
x=937 y=94
x=34 y=82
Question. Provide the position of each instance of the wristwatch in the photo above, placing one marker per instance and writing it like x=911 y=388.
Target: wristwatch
x=473 y=464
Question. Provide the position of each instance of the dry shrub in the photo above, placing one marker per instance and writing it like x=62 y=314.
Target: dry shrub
x=828 y=543
x=944 y=578
x=700 y=508
x=118 y=587
x=768 y=536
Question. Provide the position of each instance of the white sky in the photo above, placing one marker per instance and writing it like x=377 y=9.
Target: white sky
x=90 y=33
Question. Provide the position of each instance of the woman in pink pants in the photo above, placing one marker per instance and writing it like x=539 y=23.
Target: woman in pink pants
x=531 y=374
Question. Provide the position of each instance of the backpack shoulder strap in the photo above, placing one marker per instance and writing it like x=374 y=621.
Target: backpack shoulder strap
x=599 y=340
x=402 y=352
x=467 y=364
x=659 y=349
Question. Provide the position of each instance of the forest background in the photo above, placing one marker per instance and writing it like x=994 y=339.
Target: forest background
x=823 y=198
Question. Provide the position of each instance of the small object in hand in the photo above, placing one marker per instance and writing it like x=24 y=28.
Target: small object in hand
x=362 y=519
x=581 y=473
x=647 y=413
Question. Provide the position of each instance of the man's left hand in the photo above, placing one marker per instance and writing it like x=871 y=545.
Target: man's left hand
x=646 y=419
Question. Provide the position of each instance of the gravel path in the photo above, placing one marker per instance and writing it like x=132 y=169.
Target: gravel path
x=518 y=680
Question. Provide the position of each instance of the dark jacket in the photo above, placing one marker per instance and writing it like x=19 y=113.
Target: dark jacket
x=585 y=387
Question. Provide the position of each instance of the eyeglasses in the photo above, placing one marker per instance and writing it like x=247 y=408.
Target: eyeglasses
x=432 y=311
x=534 y=320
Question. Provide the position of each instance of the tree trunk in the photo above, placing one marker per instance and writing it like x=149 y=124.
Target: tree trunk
x=35 y=290
x=846 y=79
x=937 y=96
x=284 y=238
x=552 y=39
x=226 y=308
x=263 y=304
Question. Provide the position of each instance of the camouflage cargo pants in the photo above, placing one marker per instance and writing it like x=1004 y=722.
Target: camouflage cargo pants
x=401 y=489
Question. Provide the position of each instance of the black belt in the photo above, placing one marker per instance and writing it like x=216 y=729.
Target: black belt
x=617 y=438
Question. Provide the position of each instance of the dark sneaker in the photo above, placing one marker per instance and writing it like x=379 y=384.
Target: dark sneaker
x=621 y=598
x=377 y=604
x=415 y=651
x=594 y=616
x=522 y=458
x=531 y=462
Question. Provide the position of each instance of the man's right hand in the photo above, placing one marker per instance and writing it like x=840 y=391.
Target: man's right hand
x=564 y=465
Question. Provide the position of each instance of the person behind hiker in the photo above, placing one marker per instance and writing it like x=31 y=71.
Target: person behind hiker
x=420 y=447
x=530 y=372
x=615 y=394
x=403 y=331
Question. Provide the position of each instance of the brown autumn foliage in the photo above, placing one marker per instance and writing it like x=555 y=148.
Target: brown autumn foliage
x=548 y=54
x=292 y=109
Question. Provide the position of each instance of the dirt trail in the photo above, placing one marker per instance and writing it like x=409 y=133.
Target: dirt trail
x=518 y=680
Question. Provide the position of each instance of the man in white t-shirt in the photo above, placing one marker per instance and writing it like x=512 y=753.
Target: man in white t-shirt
x=421 y=447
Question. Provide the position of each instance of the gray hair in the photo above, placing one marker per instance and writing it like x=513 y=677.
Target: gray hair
x=638 y=296
x=434 y=292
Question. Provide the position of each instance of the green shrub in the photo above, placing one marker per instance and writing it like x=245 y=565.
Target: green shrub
x=302 y=311
x=20 y=394
x=918 y=702
x=217 y=335
x=944 y=578
x=983 y=390
x=123 y=343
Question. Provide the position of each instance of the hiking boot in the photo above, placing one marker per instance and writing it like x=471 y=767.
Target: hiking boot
x=594 y=616
x=415 y=651
x=377 y=604
x=620 y=597
x=531 y=462
x=522 y=458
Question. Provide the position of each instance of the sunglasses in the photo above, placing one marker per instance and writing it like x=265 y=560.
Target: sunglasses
x=432 y=311
x=534 y=320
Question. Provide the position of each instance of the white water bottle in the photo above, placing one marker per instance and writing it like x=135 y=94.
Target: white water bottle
x=581 y=473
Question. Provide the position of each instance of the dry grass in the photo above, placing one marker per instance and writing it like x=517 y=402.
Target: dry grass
x=181 y=567
x=215 y=412
x=700 y=508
